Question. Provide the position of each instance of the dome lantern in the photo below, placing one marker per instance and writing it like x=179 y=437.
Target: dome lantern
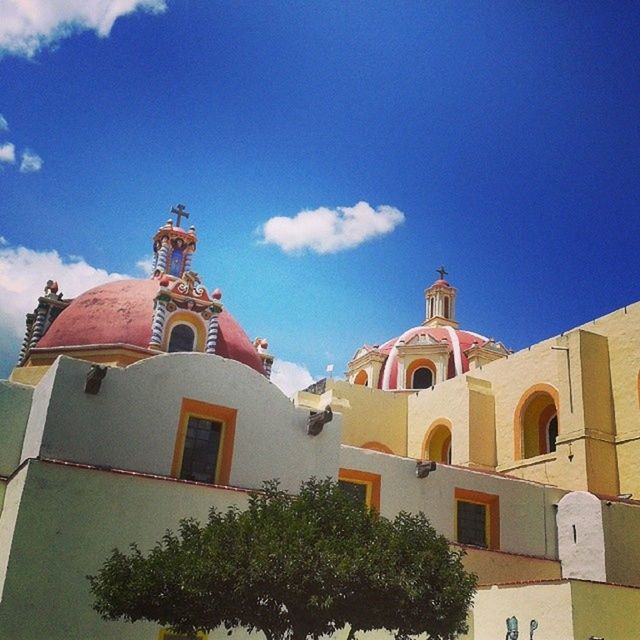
x=440 y=299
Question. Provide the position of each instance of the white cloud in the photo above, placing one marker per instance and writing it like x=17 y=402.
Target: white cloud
x=23 y=275
x=145 y=265
x=290 y=377
x=29 y=25
x=8 y=152
x=326 y=230
x=31 y=162
x=4 y=125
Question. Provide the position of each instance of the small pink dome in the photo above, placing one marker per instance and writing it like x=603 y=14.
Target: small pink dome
x=457 y=342
x=440 y=283
x=121 y=313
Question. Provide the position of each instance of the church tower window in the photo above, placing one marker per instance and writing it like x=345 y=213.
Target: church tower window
x=182 y=339
x=201 y=448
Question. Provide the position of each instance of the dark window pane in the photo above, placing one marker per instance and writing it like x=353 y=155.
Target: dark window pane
x=471 y=523
x=355 y=490
x=422 y=378
x=182 y=339
x=201 y=449
x=552 y=433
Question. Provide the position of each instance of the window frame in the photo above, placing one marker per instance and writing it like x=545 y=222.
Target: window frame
x=492 y=515
x=215 y=413
x=372 y=482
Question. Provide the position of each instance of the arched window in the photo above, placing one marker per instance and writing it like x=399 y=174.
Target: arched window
x=446 y=306
x=537 y=422
x=437 y=444
x=361 y=378
x=182 y=338
x=431 y=307
x=422 y=378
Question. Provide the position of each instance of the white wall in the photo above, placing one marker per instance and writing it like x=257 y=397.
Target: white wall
x=132 y=422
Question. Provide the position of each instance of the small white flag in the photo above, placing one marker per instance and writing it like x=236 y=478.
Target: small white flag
x=329 y=368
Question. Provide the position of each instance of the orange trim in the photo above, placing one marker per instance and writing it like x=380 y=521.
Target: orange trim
x=432 y=431
x=417 y=364
x=492 y=503
x=521 y=409
x=192 y=320
x=198 y=409
x=361 y=378
x=371 y=480
x=376 y=446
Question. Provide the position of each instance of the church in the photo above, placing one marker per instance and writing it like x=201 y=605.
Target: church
x=143 y=401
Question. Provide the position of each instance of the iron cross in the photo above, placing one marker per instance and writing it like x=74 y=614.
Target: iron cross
x=442 y=272
x=180 y=212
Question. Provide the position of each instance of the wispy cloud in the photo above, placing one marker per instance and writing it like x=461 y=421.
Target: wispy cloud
x=4 y=125
x=23 y=274
x=326 y=230
x=31 y=162
x=145 y=265
x=290 y=376
x=8 y=152
x=27 y=27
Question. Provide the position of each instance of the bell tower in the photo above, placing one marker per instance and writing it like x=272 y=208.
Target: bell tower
x=440 y=300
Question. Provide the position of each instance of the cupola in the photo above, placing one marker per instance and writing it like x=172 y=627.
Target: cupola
x=440 y=300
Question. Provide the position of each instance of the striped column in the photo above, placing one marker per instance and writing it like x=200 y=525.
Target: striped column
x=27 y=338
x=212 y=334
x=157 y=328
x=38 y=325
x=267 y=363
x=163 y=255
x=188 y=257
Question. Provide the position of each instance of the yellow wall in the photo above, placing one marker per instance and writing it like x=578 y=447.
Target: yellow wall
x=368 y=415
x=621 y=522
x=494 y=567
x=603 y=610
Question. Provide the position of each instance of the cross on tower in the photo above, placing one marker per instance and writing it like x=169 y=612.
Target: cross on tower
x=180 y=212
x=442 y=272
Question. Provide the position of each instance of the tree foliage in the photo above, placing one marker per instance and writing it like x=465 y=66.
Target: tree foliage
x=293 y=567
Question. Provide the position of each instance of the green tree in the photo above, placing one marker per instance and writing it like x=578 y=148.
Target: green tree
x=293 y=567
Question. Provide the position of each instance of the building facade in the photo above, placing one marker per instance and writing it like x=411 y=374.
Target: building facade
x=143 y=401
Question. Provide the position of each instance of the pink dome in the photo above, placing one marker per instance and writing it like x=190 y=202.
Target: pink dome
x=457 y=341
x=441 y=283
x=121 y=312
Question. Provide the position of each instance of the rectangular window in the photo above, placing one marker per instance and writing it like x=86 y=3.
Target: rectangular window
x=362 y=486
x=472 y=523
x=204 y=442
x=201 y=449
x=477 y=518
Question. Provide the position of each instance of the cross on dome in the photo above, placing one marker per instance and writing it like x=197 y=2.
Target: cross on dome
x=442 y=272
x=180 y=212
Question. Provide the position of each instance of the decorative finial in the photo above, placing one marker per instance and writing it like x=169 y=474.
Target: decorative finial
x=442 y=272
x=180 y=212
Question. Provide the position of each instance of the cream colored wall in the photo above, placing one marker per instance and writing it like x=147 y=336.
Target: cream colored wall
x=8 y=517
x=368 y=415
x=621 y=522
x=15 y=404
x=132 y=422
x=68 y=522
x=527 y=515
x=605 y=611
x=549 y=603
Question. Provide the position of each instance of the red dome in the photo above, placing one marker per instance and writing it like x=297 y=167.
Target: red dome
x=441 y=283
x=121 y=312
x=457 y=342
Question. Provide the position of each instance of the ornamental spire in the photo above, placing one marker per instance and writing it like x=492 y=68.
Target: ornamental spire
x=440 y=300
x=173 y=247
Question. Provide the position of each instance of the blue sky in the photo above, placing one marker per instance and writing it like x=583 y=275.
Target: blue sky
x=505 y=135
